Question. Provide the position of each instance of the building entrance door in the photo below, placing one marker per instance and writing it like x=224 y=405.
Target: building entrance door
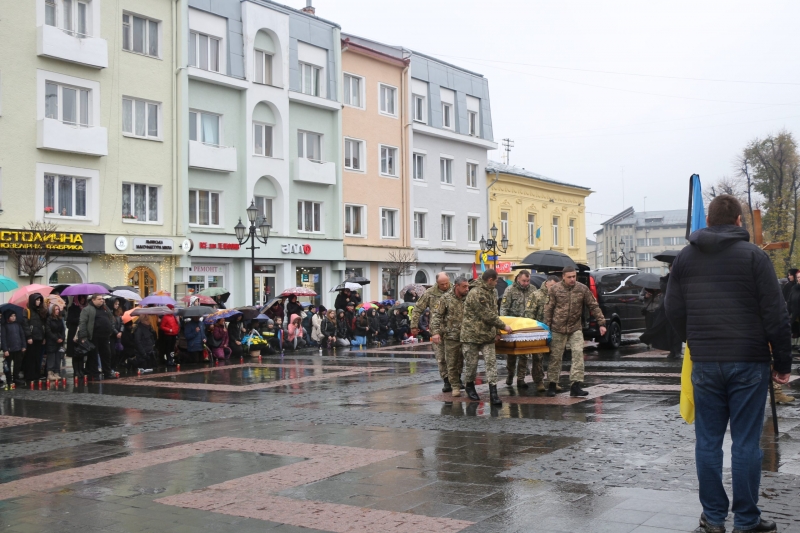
x=265 y=288
x=143 y=279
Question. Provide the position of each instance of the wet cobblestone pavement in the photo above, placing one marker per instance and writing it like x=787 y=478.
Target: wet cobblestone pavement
x=365 y=441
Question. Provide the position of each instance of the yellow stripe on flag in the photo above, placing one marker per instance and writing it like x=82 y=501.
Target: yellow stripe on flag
x=687 y=389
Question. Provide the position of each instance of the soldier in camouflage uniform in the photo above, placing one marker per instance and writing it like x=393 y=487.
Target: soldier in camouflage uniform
x=429 y=299
x=535 y=310
x=515 y=300
x=446 y=328
x=478 y=331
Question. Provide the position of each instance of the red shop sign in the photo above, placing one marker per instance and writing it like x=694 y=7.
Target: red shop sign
x=219 y=246
x=504 y=267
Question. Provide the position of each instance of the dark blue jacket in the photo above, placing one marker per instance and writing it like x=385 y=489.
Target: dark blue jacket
x=13 y=338
x=194 y=339
x=724 y=299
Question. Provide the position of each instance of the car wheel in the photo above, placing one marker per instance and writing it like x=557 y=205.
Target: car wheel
x=613 y=337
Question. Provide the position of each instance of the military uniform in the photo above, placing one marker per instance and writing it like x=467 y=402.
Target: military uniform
x=515 y=300
x=479 y=329
x=446 y=322
x=564 y=314
x=535 y=310
x=429 y=299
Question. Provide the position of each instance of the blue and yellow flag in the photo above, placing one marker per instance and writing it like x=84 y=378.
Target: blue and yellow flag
x=695 y=220
x=538 y=233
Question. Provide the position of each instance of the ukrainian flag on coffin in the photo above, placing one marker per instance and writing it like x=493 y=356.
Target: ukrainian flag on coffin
x=696 y=220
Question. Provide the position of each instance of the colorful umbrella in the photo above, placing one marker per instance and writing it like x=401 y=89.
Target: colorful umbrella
x=416 y=289
x=7 y=284
x=222 y=313
x=200 y=300
x=127 y=295
x=298 y=291
x=156 y=299
x=55 y=299
x=20 y=297
x=366 y=305
x=84 y=289
x=158 y=311
x=127 y=316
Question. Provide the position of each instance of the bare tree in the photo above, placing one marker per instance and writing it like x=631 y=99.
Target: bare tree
x=401 y=261
x=33 y=250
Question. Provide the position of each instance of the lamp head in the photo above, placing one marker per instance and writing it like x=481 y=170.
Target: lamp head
x=239 y=229
x=252 y=212
x=504 y=243
x=493 y=231
x=263 y=229
x=483 y=243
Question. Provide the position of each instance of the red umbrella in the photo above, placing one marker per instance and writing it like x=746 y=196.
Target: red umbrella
x=201 y=300
x=20 y=296
x=298 y=291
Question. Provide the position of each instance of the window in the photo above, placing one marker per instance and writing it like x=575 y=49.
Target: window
x=472 y=118
x=139 y=35
x=472 y=229
x=140 y=118
x=555 y=231
x=419 y=226
x=74 y=18
x=387 y=99
x=644 y=257
x=674 y=241
x=309 y=79
x=447 y=228
x=204 y=127
x=446 y=170
x=65 y=196
x=139 y=202
x=263 y=68
x=389 y=223
x=531 y=229
x=572 y=232
x=419 y=108
x=262 y=139
x=447 y=116
x=503 y=224
x=353 y=150
x=309 y=145
x=388 y=161
x=353 y=216
x=419 y=167
x=472 y=175
x=352 y=90
x=309 y=216
x=264 y=206
x=204 y=51
x=204 y=208
x=70 y=105
x=648 y=242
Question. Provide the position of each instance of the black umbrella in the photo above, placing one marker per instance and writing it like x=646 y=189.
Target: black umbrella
x=195 y=310
x=358 y=279
x=501 y=287
x=249 y=312
x=58 y=288
x=667 y=256
x=7 y=308
x=646 y=280
x=548 y=260
x=271 y=303
x=403 y=305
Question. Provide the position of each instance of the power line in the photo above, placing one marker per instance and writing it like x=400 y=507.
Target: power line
x=508 y=144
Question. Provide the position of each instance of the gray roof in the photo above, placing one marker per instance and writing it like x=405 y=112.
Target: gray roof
x=493 y=166
x=672 y=217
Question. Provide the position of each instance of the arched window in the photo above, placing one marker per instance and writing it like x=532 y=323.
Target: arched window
x=421 y=277
x=143 y=280
x=64 y=275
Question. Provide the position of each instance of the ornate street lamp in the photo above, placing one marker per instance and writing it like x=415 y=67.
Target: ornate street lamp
x=257 y=232
x=624 y=256
x=491 y=244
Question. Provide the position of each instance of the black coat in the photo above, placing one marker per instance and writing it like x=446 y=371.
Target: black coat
x=362 y=323
x=383 y=320
x=723 y=297
x=342 y=331
x=787 y=290
x=328 y=328
x=54 y=330
x=293 y=308
x=342 y=300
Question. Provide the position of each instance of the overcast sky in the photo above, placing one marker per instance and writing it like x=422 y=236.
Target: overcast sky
x=642 y=114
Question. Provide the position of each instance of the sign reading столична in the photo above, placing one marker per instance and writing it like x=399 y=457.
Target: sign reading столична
x=56 y=240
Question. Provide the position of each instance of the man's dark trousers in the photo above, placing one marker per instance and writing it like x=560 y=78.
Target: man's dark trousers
x=734 y=392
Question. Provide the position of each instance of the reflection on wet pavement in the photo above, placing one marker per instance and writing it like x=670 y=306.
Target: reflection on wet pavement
x=363 y=441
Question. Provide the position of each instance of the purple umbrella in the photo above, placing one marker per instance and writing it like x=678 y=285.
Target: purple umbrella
x=157 y=299
x=84 y=289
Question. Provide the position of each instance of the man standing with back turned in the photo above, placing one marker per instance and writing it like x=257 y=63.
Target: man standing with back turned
x=723 y=297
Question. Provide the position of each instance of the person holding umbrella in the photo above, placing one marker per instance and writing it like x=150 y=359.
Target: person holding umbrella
x=342 y=299
x=36 y=316
x=195 y=335
x=97 y=325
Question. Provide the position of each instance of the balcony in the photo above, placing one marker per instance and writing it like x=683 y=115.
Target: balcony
x=212 y=157
x=56 y=43
x=52 y=134
x=321 y=172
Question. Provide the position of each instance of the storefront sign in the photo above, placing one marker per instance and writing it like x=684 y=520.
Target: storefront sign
x=504 y=267
x=303 y=249
x=219 y=245
x=152 y=245
x=207 y=269
x=57 y=241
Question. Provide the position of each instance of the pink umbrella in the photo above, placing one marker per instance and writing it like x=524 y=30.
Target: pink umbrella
x=20 y=297
x=298 y=291
x=201 y=300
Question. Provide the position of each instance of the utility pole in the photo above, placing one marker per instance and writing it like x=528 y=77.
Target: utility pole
x=508 y=144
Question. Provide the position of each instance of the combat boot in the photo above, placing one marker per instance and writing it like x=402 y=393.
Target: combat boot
x=780 y=397
x=576 y=390
x=540 y=387
x=521 y=384
x=471 y=392
x=494 y=399
x=509 y=380
x=456 y=392
x=551 y=390
x=447 y=387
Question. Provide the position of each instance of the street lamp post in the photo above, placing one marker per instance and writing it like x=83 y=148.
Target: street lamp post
x=257 y=232
x=491 y=244
x=623 y=256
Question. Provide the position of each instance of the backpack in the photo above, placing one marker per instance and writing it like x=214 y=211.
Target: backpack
x=169 y=325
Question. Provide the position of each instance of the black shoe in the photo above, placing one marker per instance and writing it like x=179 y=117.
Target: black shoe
x=494 y=399
x=521 y=384
x=509 y=380
x=705 y=527
x=472 y=394
x=461 y=384
x=764 y=526
x=551 y=389
x=576 y=390
x=447 y=387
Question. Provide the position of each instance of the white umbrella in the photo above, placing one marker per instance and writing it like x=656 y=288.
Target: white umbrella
x=347 y=285
x=128 y=295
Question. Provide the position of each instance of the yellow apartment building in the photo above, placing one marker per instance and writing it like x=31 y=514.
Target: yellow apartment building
x=535 y=213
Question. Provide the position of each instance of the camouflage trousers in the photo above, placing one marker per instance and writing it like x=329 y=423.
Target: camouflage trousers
x=441 y=359
x=511 y=365
x=557 y=346
x=537 y=370
x=471 y=355
x=455 y=361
